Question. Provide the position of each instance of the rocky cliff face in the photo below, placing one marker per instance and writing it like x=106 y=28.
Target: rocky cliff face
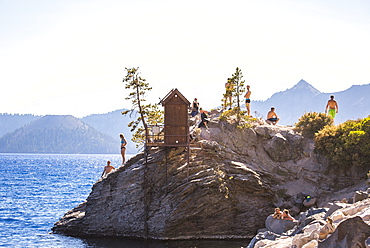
x=233 y=181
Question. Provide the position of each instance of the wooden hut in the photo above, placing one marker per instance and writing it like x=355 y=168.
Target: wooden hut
x=176 y=127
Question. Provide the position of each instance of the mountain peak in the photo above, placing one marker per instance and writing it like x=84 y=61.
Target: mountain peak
x=303 y=85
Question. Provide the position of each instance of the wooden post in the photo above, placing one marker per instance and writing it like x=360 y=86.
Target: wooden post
x=146 y=200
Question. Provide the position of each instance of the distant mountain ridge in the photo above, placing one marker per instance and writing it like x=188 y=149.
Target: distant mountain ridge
x=112 y=124
x=11 y=122
x=62 y=134
x=292 y=103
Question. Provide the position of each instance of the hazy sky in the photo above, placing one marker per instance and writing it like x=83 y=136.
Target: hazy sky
x=68 y=56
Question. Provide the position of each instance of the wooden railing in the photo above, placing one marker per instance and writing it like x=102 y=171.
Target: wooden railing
x=157 y=137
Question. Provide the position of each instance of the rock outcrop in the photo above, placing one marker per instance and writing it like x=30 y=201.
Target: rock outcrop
x=234 y=180
x=348 y=226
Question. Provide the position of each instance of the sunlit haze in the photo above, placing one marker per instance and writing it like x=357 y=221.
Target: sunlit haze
x=69 y=56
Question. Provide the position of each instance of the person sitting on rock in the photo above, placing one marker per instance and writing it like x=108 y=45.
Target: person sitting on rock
x=286 y=215
x=204 y=117
x=107 y=169
x=278 y=214
x=309 y=201
x=272 y=117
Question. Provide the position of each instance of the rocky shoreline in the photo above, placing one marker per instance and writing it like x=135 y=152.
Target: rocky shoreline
x=338 y=224
x=235 y=179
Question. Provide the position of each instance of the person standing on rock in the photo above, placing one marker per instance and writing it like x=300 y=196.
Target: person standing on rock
x=229 y=86
x=107 y=169
x=272 y=117
x=123 y=147
x=195 y=108
x=247 y=97
x=333 y=107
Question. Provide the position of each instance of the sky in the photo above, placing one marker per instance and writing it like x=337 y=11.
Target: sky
x=69 y=56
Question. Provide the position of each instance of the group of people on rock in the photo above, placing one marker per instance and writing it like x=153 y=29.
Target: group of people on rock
x=282 y=215
x=272 y=118
x=324 y=230
x=109 y=168
x=203 y=114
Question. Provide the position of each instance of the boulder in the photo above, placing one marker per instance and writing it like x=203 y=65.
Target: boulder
x=334 y=207
x=279 y=226
x=209 y=144
x=367 y=242
x=360 y=195
x=312 y=244
x=302 y=239
x=306 y=219
x=267 y=235
x=309 y=202
x=337 y=216
x=278 y=148
x=352 y=232
x=327 y=229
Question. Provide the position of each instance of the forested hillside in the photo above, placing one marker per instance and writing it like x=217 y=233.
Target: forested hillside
x=112 y=124
x=58 y=134
x=11 y=122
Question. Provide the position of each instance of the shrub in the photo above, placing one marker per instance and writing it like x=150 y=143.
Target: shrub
x=346 y=144
x=310 y=123
x=242 y=120
x=232 y=112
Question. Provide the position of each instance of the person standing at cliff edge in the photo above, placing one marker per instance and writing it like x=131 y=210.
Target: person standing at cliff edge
x=248 y=100
x=123 y=147
x=229 y=86
x=333 y=107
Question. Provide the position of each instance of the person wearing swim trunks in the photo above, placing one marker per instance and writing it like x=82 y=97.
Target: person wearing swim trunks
x=333 y=107
x=248 y=100
x=107 y=169
x=229 y=86
x=123 y=147
x=272 y=117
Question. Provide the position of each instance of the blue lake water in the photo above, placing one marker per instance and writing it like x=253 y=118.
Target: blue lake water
x=38 y=189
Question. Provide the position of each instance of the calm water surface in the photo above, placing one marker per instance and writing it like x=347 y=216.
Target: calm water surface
x=37 y=190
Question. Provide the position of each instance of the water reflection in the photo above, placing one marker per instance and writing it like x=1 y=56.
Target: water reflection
x=138 y=243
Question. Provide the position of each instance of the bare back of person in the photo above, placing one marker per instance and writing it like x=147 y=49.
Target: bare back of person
x=332 y=104
x=271 y=114
x=108 y=169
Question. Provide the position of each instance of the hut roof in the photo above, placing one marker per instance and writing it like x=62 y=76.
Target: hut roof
x=171 y=94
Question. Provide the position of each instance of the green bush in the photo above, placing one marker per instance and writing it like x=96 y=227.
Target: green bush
x=346 y=144
x=310 y=123
x=241 y=118
x=232 y=112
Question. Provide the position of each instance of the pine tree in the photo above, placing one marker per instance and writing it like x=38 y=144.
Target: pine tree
x=238 y=82
x=149 y=113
